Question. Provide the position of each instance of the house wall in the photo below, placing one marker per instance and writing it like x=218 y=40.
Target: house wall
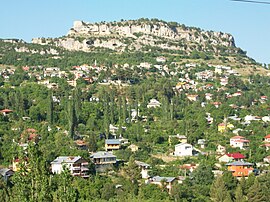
x=183 y=150
x=239 y=171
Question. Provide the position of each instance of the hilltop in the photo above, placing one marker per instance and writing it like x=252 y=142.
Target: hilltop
x=123 y=41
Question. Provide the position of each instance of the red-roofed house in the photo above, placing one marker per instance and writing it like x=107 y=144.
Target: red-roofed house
x=216 y=104
x=267 y=146
x=226 y=158
x=240 y=142
x=267 y=138
x=6 y=111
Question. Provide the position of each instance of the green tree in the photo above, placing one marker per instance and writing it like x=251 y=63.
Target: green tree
x=256 y=193
x=239 y=196
x=218 y=192
x=50 y=109
x=65 y=192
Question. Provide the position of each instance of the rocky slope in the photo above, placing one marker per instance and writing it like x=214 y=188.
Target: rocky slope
x=142 y=34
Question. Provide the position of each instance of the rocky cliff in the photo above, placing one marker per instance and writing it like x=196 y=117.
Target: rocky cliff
x=141 y=34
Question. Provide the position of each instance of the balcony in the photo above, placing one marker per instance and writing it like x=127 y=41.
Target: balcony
x=84 y=164
x=75 y=168
x=84 y=169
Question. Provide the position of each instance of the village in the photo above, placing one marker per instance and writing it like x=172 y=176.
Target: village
x=196 y=86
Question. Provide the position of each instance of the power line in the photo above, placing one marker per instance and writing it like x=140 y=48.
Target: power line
x=256 y=2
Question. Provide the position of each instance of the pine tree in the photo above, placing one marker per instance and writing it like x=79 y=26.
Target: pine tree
x=218 y=192
x=228 y=198
x=256 y=192
x=239 y=197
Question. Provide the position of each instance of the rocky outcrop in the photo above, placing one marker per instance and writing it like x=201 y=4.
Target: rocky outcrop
x=136 y=34
x=23 y=49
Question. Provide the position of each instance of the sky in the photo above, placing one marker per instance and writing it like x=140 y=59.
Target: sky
x=247 y=22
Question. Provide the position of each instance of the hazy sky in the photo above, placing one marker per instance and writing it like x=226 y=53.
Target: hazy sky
x=248 y=23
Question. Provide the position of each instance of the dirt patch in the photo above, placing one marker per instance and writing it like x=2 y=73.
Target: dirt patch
x=166 y=158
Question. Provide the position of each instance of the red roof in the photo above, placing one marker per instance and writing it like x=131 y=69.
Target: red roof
x=237 y=137
x=236 y=155
x=267 y=136
x=6 y=110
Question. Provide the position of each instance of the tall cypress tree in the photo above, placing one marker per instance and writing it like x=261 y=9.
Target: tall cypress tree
x=50 y=109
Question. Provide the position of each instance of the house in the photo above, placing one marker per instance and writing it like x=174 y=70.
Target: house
x=266 y=145
x=6 y=173
x=144 y=169
x=266 y=159
x=6 y=111
x=112 y=144
x=222 y=127
x=168 y=182
x=240 y=169
x=201 y=142
x=183 y=149
x=267 y=138
x=240 y=142
x=266 y=119
x=81 y=144
x=224 y=81
x=226 y=158
x=208 y=96
x=153 y=103
x=216 y=104
x=76 y=164
x=189 y=167
x=133 y=147
x=103 y=160
x=252 y=118
x=193 y=97
x=221 y=149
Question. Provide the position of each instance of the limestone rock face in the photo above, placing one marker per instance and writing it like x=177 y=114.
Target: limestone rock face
x=136 y=34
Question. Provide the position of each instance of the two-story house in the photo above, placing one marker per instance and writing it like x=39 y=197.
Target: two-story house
x=103 y=160
x=112 y=144
x=76 y=164
x=240 y=142
x=239 y=168
x=183 y=149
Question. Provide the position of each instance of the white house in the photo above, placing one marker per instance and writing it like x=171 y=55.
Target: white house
x=144 y=169
x=183 y=149
x=239 y=141
x=76 y=164
x=153 y=103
